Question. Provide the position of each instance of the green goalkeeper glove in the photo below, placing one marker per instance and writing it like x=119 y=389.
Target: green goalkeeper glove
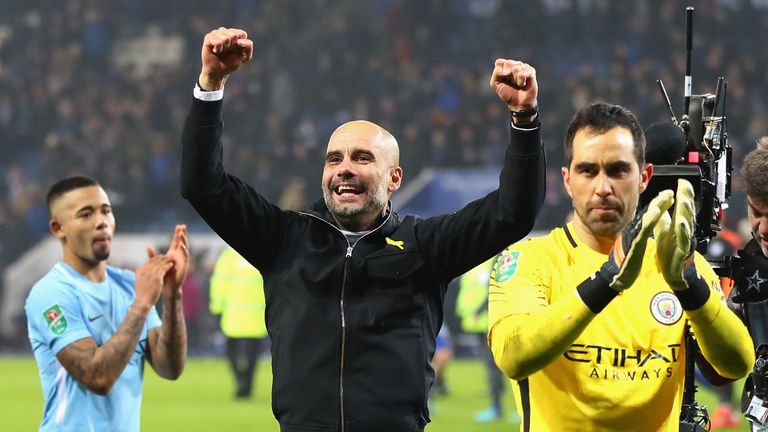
x=626 y=257
x=675 y=240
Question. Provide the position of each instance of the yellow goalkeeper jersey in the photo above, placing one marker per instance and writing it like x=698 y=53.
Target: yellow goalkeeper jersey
x=625 y=372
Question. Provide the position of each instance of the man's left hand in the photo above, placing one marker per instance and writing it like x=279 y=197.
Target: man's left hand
x=675 y=240
x=178 y=252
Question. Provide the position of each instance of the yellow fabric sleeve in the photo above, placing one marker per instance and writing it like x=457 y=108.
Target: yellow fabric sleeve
x=526 y=343
x=526 y=333
x=722 y=337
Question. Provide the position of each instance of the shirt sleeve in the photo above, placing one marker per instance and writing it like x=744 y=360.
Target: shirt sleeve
x=209 y=96
x=722 y=337
x=526 y=331
x=517 y=284
x=55 y=313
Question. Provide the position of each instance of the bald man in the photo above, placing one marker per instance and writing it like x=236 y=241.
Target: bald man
x=354 y=293
x=92 y=326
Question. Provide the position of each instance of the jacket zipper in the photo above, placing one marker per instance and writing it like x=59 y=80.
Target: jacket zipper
x=343 y=333
x=347 y=258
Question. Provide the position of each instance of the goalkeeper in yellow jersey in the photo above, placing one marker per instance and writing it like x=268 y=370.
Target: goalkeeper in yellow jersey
x=589 y=320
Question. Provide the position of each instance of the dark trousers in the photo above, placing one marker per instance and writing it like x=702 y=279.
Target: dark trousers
x=242 y=354
x=496 y=378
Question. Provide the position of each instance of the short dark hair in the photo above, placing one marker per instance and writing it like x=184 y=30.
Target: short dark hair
x=65 y=185
x=755 y=172
x=601 y=117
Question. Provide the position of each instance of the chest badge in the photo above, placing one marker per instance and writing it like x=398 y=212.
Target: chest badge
x=396 y=243
x=666 y=308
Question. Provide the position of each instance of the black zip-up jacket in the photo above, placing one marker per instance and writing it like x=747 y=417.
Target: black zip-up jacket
x=353 y=326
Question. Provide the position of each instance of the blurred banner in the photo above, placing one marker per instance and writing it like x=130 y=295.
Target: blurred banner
x=438 y=191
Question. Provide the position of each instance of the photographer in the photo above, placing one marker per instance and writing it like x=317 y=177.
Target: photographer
x=750 y=274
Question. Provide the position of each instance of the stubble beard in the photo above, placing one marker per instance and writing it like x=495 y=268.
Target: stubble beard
x=375 y=200
x=607 y=228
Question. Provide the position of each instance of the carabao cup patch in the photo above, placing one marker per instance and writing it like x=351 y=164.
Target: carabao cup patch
x=507 y=266
x=57 y=322
x=666 y=308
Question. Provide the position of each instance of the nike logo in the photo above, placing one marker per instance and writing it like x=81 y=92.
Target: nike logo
x=91 y=319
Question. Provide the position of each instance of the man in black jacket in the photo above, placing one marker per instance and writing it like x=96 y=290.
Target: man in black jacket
x=354 y=292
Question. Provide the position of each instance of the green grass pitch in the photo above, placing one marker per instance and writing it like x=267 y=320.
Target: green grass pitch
x=202 y=400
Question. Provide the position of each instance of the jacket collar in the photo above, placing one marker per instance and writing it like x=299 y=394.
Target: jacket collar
x=320 y=210
x=752 y=248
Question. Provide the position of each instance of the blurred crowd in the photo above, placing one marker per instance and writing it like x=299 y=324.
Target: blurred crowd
x=102 y=88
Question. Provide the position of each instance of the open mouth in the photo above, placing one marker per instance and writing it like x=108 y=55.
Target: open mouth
x=347 y=190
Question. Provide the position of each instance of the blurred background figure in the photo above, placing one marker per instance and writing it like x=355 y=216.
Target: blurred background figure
x=193 y=304
x=472 y=309
x=237 y=297
x=443 y=356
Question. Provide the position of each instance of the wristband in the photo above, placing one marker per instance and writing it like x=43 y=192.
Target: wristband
x=697 y=292
x=528 y=112
x=596 y=292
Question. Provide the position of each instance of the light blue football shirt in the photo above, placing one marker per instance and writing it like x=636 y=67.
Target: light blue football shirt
x=64 y=307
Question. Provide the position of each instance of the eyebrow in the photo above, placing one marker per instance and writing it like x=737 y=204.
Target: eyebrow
x=355 y=153
x=332 y=153
x=90 y=207
x=612 y=166
x=755 y=209
x=584 y=166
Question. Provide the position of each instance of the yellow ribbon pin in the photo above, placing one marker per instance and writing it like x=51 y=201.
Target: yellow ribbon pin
x=396 y=243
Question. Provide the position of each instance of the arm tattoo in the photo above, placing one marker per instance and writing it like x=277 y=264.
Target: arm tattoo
x=168 y=344
x=97 y=368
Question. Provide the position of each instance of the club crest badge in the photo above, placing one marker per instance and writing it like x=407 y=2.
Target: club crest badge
x=666 y=308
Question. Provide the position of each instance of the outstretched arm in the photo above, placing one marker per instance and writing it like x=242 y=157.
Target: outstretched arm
x=485 y=226
x=233 y=209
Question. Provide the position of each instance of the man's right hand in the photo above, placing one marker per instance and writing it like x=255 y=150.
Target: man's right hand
x=626 y=257
x=224 y=51
x=149 y=281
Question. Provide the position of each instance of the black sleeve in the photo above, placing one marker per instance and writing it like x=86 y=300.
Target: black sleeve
x=453 y=244
x=234 y=210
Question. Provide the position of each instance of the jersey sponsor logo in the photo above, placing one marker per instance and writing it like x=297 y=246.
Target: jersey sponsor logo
x=396 y=243
x=640 y=375
x=666 y=308
x=57 y=322
x=619 y=363
x=507 y=266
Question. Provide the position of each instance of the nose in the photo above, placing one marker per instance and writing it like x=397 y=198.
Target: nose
x=101 y=221
x=762 y=227
x=344 y=169
x=603 y=186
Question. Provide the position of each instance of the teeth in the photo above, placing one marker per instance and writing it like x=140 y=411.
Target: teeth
x=343 y=189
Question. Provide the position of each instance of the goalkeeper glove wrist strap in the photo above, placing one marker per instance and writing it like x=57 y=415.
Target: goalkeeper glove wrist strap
x=596 y=293
x=697 y=293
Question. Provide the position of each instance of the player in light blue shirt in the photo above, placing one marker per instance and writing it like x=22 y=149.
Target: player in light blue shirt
x=91 y=326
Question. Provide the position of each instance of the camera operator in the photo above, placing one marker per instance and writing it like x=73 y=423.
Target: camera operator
x=750 y=274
